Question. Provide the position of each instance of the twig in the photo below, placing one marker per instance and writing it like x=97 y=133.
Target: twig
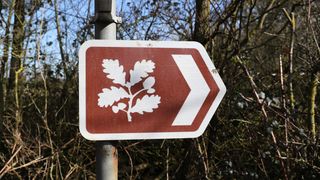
x=29 y=163
x=283 y=101
x=131 y=163
x=167 y=163
x=264 y=112
x=5 y=167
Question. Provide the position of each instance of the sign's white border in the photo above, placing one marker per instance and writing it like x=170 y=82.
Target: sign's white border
x=150 y=44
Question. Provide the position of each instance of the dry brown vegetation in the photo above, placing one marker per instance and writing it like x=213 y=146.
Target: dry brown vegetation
x=267 y=53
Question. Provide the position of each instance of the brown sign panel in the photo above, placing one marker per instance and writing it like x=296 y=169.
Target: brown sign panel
x=146 y=90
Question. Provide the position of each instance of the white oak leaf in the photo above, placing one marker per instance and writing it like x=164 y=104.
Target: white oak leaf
x=119 y=106
x=109 y=96
x=122 y=106
x=146 y=104
x=114 y=71
x=149 y=82
x=115 y=109
x=151 y=90
x=140 y=70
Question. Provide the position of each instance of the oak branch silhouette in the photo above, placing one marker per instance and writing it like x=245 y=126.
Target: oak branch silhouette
x=139 y=74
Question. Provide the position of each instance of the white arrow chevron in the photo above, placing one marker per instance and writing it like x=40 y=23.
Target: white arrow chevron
x=199 y=90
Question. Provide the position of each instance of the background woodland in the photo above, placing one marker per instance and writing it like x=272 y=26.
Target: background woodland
x=267 y=52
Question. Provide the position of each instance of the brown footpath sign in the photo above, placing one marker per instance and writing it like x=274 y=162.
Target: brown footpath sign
x=146 y=89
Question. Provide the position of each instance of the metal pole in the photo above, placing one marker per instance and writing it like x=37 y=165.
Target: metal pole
x=106 y=161
x=105 y=22
x=105 y=28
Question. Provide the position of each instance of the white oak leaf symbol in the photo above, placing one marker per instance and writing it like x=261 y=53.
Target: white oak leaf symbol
x=149 y=82
x=109 y=96
x=120 y=106
x=146 y=104
x=139 y=74
x=140 y=70
x=114 y=71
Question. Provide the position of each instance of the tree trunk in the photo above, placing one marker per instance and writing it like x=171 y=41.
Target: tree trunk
x=3 y=64
x=201 y=29
x=64 y=62
x=16 y=67
x=4 y=61
x=312 y=104
x=17 y=45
